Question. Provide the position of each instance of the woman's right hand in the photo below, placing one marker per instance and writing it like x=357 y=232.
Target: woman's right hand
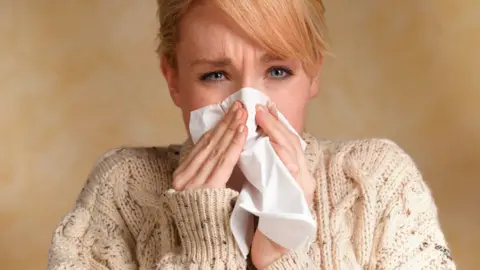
x=212 y=159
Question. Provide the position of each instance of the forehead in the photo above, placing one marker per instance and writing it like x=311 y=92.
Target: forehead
x=206 y=29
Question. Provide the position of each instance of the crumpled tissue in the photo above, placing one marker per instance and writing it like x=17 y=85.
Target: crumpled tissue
x=270 y=192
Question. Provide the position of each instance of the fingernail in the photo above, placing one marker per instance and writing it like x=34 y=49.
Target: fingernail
x=271 y=106
x=260 y=107
x=238 y=114
x=240 y=129
x=235 y=106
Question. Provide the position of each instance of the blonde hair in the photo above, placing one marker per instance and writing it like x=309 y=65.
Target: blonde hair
x=290 y=29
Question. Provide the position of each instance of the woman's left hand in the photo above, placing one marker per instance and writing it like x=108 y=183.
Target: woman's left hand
x=287 y=146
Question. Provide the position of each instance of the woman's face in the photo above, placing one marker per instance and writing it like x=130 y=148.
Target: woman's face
x=215 y=58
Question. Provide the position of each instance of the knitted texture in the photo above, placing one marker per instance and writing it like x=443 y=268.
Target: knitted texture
x=372 y=207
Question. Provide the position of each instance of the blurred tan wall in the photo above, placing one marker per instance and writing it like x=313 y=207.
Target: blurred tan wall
x=80 y=77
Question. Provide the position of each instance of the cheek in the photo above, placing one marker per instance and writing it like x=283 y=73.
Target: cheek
x=293 y=110
x=186 y=120
x=194 y=94
x=292 y=103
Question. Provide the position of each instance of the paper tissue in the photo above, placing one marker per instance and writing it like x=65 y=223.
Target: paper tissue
x=270 y=193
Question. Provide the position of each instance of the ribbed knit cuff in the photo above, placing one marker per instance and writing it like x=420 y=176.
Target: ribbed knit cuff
x=293 y=260
x=202 y=217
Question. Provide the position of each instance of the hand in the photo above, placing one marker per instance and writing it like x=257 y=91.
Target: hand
x=212 y=159
x=287 y=146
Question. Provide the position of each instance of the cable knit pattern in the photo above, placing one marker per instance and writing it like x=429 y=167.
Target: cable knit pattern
x=372 y=207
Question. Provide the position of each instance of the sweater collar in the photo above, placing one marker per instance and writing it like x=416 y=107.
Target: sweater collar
x=311 y=150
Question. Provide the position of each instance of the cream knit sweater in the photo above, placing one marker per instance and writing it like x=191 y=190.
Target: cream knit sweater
x=372 y=208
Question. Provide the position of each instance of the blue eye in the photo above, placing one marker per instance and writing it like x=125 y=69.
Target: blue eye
x=213 y=76
x=279 y=72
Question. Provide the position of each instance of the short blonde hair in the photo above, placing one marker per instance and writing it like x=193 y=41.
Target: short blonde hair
x=290 y=29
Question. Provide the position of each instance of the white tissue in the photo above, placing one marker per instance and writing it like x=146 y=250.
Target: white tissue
x=271 y=192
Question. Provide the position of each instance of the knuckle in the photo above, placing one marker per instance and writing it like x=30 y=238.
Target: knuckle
x=215 y=153
x=237 y=141
x=234 y=143
x=208 y=142
x=280 y=148
x=226 y=161
x=205 y=137
x=295 y=139
x=180 y=178
x=231 y=128
x=222 y=161
x=224 y=122
x=177 y=185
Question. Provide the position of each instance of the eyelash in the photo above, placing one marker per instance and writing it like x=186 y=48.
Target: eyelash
x=207 y=77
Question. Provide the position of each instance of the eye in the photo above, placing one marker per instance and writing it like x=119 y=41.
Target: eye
x=279 y=72
x=213 y=76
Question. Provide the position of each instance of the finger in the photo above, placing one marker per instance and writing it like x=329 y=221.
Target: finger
x=207 y=141
x=216 y=153
x=240 y=119
x=288 y=158
x=283 y=140
x=204 y=139
x=274 y=129
x=272 y=108
x=230 y=158
x=224 y=124
x=290 y=136
x=189 y=168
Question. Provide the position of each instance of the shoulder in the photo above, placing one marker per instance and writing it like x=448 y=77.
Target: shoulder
x=122 y=154
x=369 y=155
x=378 y=165
x=137 y=168
x=118 y=159
x=382 y=188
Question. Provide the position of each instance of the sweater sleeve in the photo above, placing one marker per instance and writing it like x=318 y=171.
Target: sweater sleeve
x=202 y=218
x=293 y=260
x=93 y=235
x=411 y=236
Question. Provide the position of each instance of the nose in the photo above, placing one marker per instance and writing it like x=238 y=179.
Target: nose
x=250 y=81
x=249 y=71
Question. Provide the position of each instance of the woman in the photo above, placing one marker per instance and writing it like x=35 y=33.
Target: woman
x=169 y=207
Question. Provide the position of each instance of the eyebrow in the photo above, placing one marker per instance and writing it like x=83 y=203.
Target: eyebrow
x=216 y=62
x=225 y=61
x=270 y=58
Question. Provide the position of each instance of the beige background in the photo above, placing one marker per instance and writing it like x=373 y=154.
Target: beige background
x=79 y=77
